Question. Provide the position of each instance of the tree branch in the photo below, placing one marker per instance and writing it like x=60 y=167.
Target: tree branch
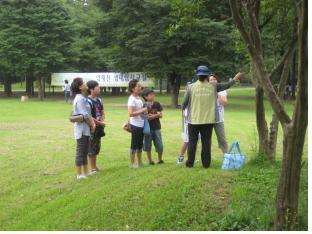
x=286 y=55
x=239 y=22
x=258 y=61
x=266 y=21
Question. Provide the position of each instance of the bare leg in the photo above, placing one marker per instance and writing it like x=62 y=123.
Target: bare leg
x=85 y=169
x=149 y=156
x=159 y=157
x=139 y=156
x=78 y=170
x=132 y=157
x=224 y=150
x=183 y=148
x=92 y=161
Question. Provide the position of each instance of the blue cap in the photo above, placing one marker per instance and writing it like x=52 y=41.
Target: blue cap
x=202 y=71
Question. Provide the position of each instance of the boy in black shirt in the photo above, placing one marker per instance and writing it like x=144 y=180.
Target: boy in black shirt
x=154 y=114
x=98 y=114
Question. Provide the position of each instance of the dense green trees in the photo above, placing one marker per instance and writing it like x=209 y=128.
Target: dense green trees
x=35 y=38
x=166 y=39
x=41 y=37
x=169 y=38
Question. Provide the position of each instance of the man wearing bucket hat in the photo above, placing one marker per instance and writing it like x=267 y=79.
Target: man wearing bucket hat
x=200 y=100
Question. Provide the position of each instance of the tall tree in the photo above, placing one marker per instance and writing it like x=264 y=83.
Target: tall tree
x=35 y=37
x=169 y=37
x=86 y=55
x=294 y=129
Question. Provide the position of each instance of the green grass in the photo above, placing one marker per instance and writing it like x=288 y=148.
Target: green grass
x=39 y=190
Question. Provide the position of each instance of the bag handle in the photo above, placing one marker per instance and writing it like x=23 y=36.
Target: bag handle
x=231 y=148
x=238 y=148
x=234 y=146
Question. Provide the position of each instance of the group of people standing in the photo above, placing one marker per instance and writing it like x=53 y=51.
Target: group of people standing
x=202 y=110
x=89 y=131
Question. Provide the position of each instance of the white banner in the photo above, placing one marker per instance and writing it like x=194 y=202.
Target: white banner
x=107 y=79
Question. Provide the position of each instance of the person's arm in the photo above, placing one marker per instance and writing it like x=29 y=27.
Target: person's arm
x=81 y=106
x=223 y=99
x=186 y=98
x=159 y=115
x=133 y=113
x=227 y=85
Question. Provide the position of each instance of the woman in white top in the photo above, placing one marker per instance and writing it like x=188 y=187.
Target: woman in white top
x=219 y=126
x=135 y=111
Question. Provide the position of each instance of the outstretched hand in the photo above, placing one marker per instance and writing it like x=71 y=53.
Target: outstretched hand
x=239 y=75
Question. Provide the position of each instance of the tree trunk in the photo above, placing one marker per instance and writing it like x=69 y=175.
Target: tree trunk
x=43 y=87
x=29 y=86
x=174 y=84
x=40 y=88
x=281 y=89
x=293 y=78
x=160 y=85
x=262 y=126
x=168 y=86
x=272 y=142
x=7 y=86
x=294 y=136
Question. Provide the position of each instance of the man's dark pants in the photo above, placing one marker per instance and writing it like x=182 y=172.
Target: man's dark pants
x=205 y=131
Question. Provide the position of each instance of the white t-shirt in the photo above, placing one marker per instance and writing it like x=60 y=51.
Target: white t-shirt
x=220 y=107
x=66 y=87
x=136 y=103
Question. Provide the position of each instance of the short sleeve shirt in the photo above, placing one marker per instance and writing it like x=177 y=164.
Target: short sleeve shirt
x=137 y=104
x=221 y=107
x=155 y=123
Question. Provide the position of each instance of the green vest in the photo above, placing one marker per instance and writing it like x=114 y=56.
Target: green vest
x=203 y=103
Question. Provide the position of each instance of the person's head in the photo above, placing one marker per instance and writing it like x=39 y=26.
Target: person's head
x=202 y=72
x=135 y=87
x=78 y=86
x=148 y=95
x=213 y=79
x=66 y=81
x=93 y=88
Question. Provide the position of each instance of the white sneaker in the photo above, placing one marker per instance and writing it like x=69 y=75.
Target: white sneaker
x=91 y=173
x=180 y=160
x=81 y=177
x=134 y=166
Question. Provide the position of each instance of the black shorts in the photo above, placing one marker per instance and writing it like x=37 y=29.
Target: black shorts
x=94 y=146
x=136 y=138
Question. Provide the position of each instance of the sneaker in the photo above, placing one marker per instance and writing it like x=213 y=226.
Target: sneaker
x=81 y=177
x=91 y=173
x=134 y=166
x=161 y=162
x=151 y=163
x=180 y=159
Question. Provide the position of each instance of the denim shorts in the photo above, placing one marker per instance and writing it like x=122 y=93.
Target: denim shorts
x=154 y=137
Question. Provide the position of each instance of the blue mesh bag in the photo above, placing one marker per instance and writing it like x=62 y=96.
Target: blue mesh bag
x=233 y=159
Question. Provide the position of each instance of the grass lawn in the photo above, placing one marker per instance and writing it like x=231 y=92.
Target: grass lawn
x=39 y=190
